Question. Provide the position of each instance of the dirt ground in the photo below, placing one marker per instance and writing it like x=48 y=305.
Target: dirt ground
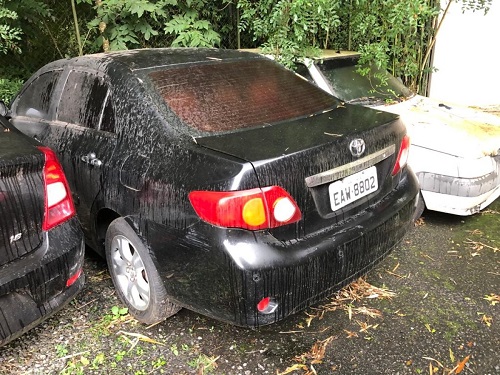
x=432 y=307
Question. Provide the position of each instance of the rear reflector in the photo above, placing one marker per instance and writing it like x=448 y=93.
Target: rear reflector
x=267 y=305
x=252 y=209
x=73 y=278
x=402 y=155
x=58 y=203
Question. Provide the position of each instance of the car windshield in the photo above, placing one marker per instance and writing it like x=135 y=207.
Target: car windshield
x=348 y=84
x=226 y=96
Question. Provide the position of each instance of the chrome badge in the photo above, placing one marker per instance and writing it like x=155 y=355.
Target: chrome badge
x=357 y=147
x=15 y=237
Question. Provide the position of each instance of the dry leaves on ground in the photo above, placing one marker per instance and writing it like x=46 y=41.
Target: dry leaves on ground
x=310 y=358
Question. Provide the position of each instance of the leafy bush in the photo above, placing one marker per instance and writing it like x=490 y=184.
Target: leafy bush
x=290 y=28
x=134 y=24
x=9 y=88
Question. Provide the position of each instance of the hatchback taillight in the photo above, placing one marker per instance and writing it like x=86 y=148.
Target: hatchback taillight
x=402 y=155
x=58 y=203
x=252 y=209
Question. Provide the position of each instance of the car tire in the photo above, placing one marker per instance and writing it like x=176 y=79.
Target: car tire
x=135 y=276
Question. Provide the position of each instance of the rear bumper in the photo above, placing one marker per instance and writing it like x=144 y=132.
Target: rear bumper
x=224 y=273
x=33 y=288
x=306 y=272
x=460 y=196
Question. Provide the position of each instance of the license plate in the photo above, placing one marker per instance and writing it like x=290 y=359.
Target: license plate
x=352 y=188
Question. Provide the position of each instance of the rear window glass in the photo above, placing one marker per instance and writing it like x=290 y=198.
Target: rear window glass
x=233 y=95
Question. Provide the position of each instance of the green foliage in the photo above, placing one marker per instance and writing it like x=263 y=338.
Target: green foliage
x=191 y=32
x=204 y=364
x=123 y=24
x=17 y=19
x=476 y=5
x=397 y=35
x=9 y=88
x=9 y=35
x=61 y=350
x=392 y=34
x=290 y=28
x=118 y=312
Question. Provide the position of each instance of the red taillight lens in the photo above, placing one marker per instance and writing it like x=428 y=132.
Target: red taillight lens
x=402 y=155
x=58 y=203
x=72 y=279
x=267 y=305
x=252 y=209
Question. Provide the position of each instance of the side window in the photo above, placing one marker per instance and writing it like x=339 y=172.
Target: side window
x=82 y=100
x=35 y=99
x=302 y=70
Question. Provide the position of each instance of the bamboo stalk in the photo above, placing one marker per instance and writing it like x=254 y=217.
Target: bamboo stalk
x=77 y=28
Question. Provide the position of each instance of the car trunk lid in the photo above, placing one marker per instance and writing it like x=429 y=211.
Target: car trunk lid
x=21 y=196
x=306 y=155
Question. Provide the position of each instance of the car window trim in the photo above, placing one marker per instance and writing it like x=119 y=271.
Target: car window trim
x=82 y=128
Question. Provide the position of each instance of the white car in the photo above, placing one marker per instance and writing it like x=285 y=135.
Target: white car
x=455 y=150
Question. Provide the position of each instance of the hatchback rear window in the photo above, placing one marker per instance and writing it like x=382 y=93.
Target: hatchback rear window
x=226 y=96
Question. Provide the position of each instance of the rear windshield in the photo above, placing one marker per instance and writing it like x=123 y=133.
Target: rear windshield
x=226 y=96
x=376 y=87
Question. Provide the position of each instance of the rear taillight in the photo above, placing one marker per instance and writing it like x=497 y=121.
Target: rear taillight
x=58 y=203
x=402 y=155
x=252 y=209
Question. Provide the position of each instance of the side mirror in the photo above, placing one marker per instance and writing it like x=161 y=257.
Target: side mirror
x=3 y=108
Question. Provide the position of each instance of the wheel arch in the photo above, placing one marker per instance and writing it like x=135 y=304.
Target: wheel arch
x=104 y=217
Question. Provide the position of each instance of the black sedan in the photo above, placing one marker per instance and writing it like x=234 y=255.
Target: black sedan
x=41 y=243
x=219 y=181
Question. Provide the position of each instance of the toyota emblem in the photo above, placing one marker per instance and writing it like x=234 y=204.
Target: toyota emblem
x=357 y=147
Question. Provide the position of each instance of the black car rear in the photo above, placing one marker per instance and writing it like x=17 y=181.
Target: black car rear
x=41 y=248
x=247 y=191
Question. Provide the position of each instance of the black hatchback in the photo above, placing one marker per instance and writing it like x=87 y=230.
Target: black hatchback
x=219 y=181
x=41 y=243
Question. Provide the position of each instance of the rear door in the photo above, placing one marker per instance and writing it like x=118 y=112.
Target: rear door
x=84 y=136
x=81 y=129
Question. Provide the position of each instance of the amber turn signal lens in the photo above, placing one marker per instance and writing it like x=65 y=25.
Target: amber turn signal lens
x=254 y=213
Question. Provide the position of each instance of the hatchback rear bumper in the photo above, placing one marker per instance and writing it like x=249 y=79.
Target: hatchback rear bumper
x=35 y=287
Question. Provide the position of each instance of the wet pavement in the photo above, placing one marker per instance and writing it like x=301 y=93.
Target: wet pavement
x=431 y=307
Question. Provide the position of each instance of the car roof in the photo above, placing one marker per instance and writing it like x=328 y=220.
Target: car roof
x=326 y=54
x=155 y=58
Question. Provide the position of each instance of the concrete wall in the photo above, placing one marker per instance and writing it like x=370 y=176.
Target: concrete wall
x=467 y=56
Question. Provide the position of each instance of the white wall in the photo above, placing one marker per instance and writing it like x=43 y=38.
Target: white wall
x=467 y=56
